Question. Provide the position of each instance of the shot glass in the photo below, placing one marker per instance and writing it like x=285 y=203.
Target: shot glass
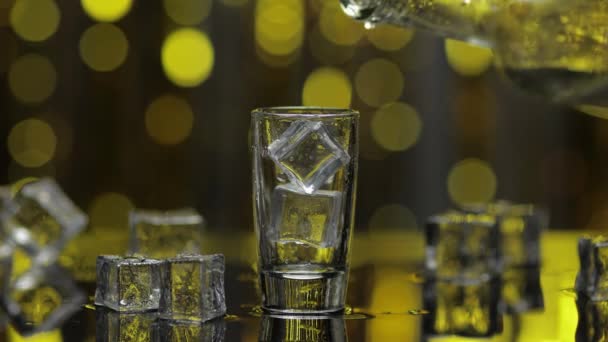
x=304 y=182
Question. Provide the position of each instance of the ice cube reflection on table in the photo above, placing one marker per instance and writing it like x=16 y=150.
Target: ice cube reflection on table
x=113 y=326
x=177 y=331
x=165 y=234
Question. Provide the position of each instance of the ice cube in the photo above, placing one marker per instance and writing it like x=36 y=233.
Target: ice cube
x=177 y=331
x=462 y=247
x=302 y=329
x=521 y=290
x=193 y=288
x=42 y=219
x=113 y=326
x=128 y=284
x=41 y=299
x=592 y=277
x=165 y=234
x=520 y=227
x=308 y=154
x=592 y=320
x=466 y=310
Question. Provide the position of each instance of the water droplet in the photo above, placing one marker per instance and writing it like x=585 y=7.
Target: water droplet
x=418 y=312
x=369 y=25
x=348 y=310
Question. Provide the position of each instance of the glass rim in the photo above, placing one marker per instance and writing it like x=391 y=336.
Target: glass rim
x=304 y=111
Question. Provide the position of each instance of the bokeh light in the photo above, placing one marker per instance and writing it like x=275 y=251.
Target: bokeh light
x=110 y=210
x=187 y=57
x=389 y=37
x=467 y=59
x=327 y=87
x=379 y=81
x=593 y=110
x=396 y=126
x=393 y=217
x=35 y=20
x=279 y=26
x=103 y=47
x=471 y=181
x=169 y=120
x=337 y=27
x=32 y=143
x=106 y=10
x=32 y=78
x=188 y=12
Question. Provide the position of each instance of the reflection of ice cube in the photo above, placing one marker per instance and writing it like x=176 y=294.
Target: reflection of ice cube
x=165 y=234
x=212 y=331
x=308 y=154
x=42 y=219
x=128 y=284
x=112 y=326
x=462 y=247
x=193 y=288
x=42 y=299
x=314 y=218
x=592 y=278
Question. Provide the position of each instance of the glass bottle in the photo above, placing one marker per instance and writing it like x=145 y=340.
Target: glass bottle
x=556 y=48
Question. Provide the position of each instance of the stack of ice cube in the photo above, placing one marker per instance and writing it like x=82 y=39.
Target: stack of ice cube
x=37 y=222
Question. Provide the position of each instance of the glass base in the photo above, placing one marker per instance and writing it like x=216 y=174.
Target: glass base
x=303 y=291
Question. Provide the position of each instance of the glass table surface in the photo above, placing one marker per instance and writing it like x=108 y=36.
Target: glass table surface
x=385 y=297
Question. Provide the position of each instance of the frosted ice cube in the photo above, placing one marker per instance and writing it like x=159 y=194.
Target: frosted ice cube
x=193 y=288
x=312 y=218
x=308 y=154
x=165 y=234
x=113 y=326
x=466 y=310
x=592 y=277
x=42 y=219
x=175 y=331
x=42 y=299
x=462 y=247
x=128 y=284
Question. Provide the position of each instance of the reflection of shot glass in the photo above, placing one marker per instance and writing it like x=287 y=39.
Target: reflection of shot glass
x=304 y=176
x=302 y=329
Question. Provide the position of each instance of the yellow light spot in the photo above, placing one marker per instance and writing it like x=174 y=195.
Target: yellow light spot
x=467 y=59
x=337 y=27
x=188 y=12
x=48 y=336
x=471 y=181
x=106 y=10
x=32 y=143
x=379 y=81
x=597 y=111
x=396 y=126
x=389 y=38
x=392 y=216
x=32 y=78
x=103 y=47
x=327 y=87
x=235 y=3
x=279 y=26
x=110 y=210
x=169 y=120
x=35 y=20
x=187 y=57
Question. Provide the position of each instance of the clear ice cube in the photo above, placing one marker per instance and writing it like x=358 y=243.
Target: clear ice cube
x=128 y=284
x=307 y=154
x=193 y=288
x=310 y=218
x=462 y=247
x=165 y=234
x=592 y=277
x=174 y=331
x=42 y=219
x=42 y=299
x=466 y=310
x=113 y=326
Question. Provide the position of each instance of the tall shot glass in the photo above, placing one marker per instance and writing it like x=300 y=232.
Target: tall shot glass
x=304 y=182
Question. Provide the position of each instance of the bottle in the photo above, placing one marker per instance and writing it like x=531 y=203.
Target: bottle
x=556 y=48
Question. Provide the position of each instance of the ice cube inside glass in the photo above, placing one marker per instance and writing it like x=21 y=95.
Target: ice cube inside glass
x=592 y=278
x=165 y=234
x=462 y=247
x=41 y=299
x=128 y=284
x=42 y=219
x=193 y=288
